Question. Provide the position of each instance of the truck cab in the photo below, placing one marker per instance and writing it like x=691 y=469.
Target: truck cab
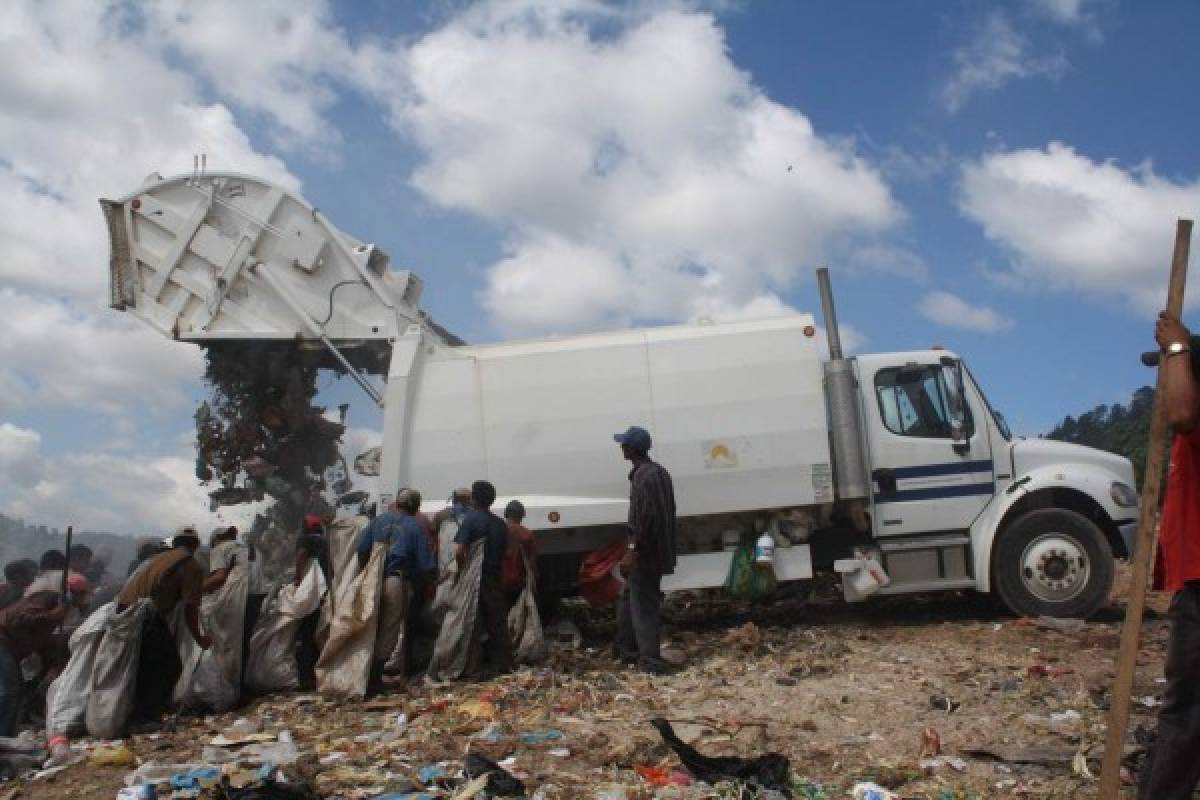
x=958 y=502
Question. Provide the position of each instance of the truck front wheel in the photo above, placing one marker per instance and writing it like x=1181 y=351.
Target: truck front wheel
x=1053 y=563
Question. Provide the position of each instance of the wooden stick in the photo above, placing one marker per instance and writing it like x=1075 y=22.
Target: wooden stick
x=67 y=568
x=1143 y=556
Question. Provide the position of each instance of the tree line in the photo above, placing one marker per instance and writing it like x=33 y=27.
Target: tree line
x=1121 y=429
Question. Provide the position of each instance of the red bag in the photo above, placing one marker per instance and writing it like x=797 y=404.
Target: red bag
x=597 y=583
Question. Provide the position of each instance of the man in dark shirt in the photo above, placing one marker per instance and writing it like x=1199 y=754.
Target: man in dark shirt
x=26 y=627
x=481 y=523
x=651 y=554
x=409 y=563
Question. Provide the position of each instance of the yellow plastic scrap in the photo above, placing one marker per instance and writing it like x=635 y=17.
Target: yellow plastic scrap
x=478 y=709
x=114 y=756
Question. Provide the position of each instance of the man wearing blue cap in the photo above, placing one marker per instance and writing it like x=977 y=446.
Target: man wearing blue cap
x=651 y=553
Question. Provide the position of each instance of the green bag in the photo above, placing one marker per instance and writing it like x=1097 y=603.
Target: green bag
x=749 y=580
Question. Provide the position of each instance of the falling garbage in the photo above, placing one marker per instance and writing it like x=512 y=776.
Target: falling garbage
x=259 y=436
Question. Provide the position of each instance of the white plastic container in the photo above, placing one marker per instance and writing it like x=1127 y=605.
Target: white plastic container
x=764 y=549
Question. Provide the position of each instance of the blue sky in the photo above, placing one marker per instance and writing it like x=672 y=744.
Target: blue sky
x=999 y=178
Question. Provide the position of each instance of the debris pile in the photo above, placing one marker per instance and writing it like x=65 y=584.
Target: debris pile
x=259 y=435
x=917 y=698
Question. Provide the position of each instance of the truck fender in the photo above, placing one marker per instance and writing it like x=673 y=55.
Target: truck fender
x=1081 y=483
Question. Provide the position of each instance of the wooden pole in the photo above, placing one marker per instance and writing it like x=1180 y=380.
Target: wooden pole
x=67 y=568
x=1143 y=557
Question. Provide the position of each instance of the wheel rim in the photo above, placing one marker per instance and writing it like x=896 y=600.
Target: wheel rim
x=1055 y=567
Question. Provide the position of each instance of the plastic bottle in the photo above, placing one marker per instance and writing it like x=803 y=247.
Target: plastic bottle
x=764 y=549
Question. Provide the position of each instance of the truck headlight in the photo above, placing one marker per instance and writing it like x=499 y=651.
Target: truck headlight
x=1123 y=494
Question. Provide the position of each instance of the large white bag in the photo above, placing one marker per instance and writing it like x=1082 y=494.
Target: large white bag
x=67 y=697
x=215 y=682
x=115 y=671
x=452 y=650
x=524 y=622
x=271 y=660
x=344 y=668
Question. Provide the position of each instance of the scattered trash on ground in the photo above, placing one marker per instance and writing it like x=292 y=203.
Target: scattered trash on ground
x=921 y=699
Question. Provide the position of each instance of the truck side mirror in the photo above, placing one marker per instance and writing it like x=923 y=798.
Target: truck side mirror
x=955 y=405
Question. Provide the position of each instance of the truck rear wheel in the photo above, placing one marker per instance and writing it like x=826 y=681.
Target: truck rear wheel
x=1053 y=563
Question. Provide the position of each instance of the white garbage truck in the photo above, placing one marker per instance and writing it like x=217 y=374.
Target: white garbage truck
x=892 y=469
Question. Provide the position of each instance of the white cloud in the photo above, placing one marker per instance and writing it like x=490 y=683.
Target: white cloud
x=997 y=54
x=54 y=355
x=115 y=493
x=634 y=167
x=1079 y=14
x=954 y=312
x=284 y=59
x=1074 y=223
x=93 y=103
x=92 y=107
x=20 y=461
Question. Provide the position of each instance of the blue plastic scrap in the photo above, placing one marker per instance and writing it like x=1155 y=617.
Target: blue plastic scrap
x=540 y=737
x=191 y=780
x=431 y=773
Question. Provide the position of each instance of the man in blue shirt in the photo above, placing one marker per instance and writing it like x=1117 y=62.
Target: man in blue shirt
x=481 y=523
x=409 y=564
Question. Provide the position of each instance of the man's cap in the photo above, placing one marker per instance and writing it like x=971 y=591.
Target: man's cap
x=635 y=437
x=221 y=532
x=312 y=520
x=185 y=532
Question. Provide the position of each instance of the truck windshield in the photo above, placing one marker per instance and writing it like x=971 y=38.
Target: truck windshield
x=997 y=417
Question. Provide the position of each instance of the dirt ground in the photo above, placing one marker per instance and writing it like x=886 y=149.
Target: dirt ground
x=847 y=693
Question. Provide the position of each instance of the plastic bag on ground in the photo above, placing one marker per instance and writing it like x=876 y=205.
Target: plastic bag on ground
x=20 y=754
x=216 y=681
x=114 y=674
x=452 y=649
x=271 y=660
x=345 y=664
x=599 y=581
x=770 y=771
x=67 y=697
x=500 y=782
x=524 y=623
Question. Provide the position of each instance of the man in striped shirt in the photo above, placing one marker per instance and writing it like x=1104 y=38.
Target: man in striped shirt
x=651 y=554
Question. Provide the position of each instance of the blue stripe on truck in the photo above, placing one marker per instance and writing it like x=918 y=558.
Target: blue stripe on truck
x=935 y=493
x=951 y=468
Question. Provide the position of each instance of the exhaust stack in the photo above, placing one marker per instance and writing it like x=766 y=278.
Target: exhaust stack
x=842 y=396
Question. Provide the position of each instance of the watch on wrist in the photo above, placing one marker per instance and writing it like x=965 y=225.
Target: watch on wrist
x=1175 y=348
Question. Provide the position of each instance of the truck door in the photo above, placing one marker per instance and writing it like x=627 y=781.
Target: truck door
x=931 y=460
